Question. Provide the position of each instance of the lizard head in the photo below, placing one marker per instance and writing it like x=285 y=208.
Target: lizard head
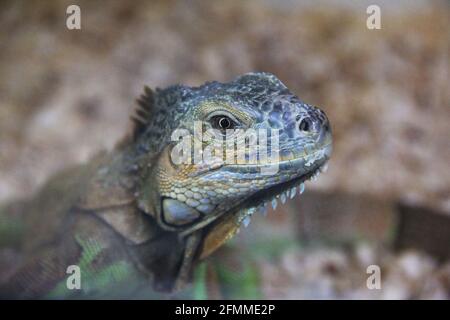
x=225 y=151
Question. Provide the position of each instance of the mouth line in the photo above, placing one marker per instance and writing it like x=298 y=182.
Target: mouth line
x=323 y=153
x=276 y=191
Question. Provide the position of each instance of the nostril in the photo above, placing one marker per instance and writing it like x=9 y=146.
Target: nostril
x=305 y=125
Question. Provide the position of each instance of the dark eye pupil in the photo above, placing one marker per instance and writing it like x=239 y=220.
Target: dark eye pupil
x=304 y=125
x=224 y=123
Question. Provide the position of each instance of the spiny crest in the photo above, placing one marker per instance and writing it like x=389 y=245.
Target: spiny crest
x=146 y=103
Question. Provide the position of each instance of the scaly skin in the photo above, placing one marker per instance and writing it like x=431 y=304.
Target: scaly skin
x=133 y=217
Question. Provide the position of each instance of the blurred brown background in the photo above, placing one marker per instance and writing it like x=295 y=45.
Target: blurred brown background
x=66 y=94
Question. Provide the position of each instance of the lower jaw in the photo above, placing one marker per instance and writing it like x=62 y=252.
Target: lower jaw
x=261 y=199
x=229 y=223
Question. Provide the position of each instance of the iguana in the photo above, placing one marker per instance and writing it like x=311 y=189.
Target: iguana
x=134 y=218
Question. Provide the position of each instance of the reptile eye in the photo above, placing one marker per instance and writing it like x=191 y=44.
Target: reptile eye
x=222 y=123
x=305 y=125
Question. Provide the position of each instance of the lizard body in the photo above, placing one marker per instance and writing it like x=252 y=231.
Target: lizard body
x=134 y=217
